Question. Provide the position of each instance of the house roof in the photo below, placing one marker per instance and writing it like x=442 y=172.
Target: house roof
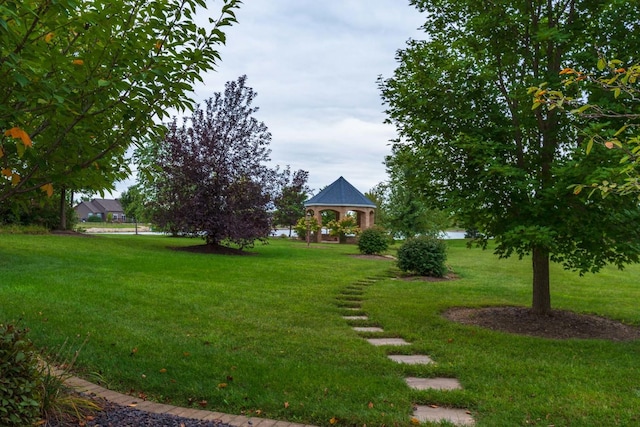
x=108 y=205
x=102 y=206
x=340 y=193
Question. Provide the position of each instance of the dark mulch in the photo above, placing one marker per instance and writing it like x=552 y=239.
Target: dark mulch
x=71 y=233
x=211 y=249
x=560 y=324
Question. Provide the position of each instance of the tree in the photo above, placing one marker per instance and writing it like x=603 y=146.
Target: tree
x=213 y=181
x=80 y=81
x=289 y=203
x=467 y=131
x=620 y=107
x=402 y=211
x=133 y=203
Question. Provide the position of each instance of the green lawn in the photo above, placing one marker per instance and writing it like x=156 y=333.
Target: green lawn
x=264 y=333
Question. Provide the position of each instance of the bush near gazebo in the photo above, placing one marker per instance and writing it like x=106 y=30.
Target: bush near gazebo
x=424 y=256
x=301 y=227
x=373 y=241
x=347 y=225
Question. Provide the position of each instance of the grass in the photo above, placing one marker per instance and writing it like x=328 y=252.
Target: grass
x=264 y=335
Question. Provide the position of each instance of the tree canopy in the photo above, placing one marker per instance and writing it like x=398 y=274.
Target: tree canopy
x=213 y=180
x=289 y=203
x=460 y=102
x=80 y=81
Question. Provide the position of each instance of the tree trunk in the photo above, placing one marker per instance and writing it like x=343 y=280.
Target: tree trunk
x=63 y=208
x=541 y=294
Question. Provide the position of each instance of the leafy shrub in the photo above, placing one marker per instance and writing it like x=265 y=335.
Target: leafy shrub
x=20 y=378
x=373 y=241
x=301 y=227
x=424 y=256
x=94 y=218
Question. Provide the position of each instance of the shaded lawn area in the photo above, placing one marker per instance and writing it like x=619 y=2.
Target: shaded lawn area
x=264 y=333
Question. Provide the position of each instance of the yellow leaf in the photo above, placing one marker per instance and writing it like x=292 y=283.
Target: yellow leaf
x=78 y=62
x=415 y=421
x=163 y=370
x=7 y=172
x=15 y=179
x=49 y=37
x=333 y=420
x=47 y=188
x=222 y=385
x=158 y=44
x=16 y=132
x=1 y=153
x=602 y=64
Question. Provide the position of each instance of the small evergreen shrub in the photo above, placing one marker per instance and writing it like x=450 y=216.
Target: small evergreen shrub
x=424 y=256
x=20 y=378
x=373 y=241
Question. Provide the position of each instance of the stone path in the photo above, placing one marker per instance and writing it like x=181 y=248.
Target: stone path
x=350 y=300
x=353 y=294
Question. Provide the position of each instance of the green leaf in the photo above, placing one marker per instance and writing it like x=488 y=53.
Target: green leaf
x=602 y=64
x=589 y=145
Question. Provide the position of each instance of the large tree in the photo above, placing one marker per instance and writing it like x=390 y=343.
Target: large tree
x=213 y=180
x=81 y=80
x=476 y=147
x=289 y=202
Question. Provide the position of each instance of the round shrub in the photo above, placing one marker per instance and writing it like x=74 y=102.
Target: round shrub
x=424 y=256
x=20 y=378
x=373 y=241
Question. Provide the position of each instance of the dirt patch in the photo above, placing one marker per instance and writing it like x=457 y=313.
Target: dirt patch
x=378 y=257
x=70 y=233
x=211 y=250
x=559 y=324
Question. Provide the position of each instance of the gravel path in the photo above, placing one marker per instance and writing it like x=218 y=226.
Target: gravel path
x=114 y=415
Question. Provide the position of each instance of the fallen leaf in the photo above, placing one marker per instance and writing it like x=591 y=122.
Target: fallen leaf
x=333 y=420
x=134 y=350
x=434 y=406
x=370 y=405
x=203 y=403
x=286 y=404
x=415 y=421
x=222 y=385
x=163 y=371
x=258 y=411
x=186 y=354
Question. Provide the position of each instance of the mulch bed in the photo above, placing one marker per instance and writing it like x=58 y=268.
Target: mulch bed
x=559 y=324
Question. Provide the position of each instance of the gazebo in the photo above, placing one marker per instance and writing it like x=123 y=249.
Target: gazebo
x=341 y=197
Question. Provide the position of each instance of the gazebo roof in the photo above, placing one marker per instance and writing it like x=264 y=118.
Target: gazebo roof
x=340 y=193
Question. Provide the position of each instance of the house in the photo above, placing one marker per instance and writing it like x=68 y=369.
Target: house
x=106 y=209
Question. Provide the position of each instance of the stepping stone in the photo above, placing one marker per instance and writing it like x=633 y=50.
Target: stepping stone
x=387 y=341
x=352 y=308
x=355 y=317
x=459 y=417
x=433 y=383
x=367 y=329
x=414 y=359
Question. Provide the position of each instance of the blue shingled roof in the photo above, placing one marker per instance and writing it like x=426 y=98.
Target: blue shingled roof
x=340 y=193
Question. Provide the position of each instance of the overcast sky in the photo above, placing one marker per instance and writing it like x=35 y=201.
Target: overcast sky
x=314 y=65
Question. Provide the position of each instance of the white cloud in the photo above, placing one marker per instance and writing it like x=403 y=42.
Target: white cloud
x=314 y=65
